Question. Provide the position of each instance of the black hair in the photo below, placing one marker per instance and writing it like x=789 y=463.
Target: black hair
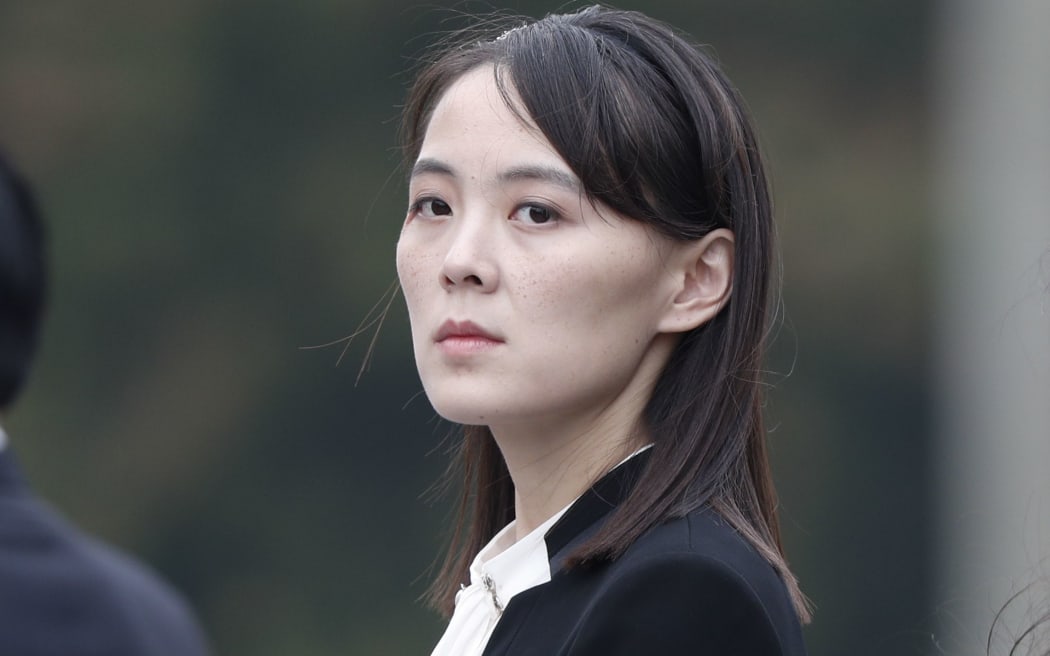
x=23 y=281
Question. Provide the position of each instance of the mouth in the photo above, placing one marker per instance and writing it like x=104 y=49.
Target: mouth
x=464 y=330
x=464 y=338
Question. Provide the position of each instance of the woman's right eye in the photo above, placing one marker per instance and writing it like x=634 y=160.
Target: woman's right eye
x=431 y=207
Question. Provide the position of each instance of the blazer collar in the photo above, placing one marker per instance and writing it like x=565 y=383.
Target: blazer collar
x=585 y=516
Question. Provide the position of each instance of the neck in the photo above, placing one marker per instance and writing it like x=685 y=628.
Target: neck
x=554 y=459
x=553 y=462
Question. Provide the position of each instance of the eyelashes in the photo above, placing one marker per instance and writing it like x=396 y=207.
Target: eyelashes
x=527 y=213
x=535 y=214
x=430 y=207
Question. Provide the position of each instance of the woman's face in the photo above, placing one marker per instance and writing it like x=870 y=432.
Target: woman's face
x=527 y=304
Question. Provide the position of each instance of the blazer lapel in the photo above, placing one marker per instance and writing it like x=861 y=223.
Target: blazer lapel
x=587 y=515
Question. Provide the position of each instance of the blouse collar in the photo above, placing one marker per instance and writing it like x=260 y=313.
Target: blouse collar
x=505 y=567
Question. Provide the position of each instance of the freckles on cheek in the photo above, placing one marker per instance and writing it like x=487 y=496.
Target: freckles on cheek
x=546 y=288
x=412 y=268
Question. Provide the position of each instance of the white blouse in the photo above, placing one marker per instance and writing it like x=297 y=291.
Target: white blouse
x=501 y=570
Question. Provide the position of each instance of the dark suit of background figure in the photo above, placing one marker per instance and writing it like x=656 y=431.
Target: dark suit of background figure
x=692 y=586
x=62 y=593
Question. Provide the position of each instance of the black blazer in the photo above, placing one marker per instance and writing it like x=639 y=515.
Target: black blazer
x=64 y=594
x=690 y=586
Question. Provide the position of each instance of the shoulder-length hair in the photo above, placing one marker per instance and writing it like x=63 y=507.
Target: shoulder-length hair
x=655 y=131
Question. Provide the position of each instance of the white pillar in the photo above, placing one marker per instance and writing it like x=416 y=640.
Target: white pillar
x=991 y=122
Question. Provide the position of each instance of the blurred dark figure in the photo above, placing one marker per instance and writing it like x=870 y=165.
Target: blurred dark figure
x=62 y=593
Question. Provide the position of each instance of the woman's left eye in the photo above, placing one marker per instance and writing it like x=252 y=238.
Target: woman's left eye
x=534 y=214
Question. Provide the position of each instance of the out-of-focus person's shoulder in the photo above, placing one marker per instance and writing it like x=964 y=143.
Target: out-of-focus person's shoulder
x=63 y=591
x=143 y=601
x=692 y=585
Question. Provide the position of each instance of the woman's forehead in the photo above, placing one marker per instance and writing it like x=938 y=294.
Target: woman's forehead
x=474 y=130
x=478 y=98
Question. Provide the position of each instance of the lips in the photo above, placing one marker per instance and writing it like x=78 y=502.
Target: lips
x=464 y=330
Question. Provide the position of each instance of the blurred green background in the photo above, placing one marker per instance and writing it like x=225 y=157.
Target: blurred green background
x=222 y=188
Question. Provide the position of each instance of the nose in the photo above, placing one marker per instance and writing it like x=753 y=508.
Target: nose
x=470 y=262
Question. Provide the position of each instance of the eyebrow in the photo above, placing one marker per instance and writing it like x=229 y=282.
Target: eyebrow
x=537 y=172
x=548 y=174
x=427 y=165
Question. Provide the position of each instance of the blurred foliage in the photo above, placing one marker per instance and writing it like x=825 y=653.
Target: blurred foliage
x=222 y=187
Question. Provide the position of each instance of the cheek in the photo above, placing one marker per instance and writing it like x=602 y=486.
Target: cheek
x=414 y=270
x=541 y=285
x=593 y=291
x=403 y=260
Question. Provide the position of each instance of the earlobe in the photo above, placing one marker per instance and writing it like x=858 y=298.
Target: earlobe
x=703 y=274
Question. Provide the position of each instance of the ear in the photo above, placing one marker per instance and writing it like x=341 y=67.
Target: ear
x=703 y=275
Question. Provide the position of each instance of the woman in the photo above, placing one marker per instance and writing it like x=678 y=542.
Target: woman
x=586 y=261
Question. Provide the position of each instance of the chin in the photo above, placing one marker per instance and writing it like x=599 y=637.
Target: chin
x=459 y=406
x=459 y=410
x=469 y=407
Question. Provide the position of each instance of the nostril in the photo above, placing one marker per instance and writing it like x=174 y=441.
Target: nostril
x=452 y=278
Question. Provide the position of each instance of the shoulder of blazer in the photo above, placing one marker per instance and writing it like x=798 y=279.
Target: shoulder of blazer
x=690 y=586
